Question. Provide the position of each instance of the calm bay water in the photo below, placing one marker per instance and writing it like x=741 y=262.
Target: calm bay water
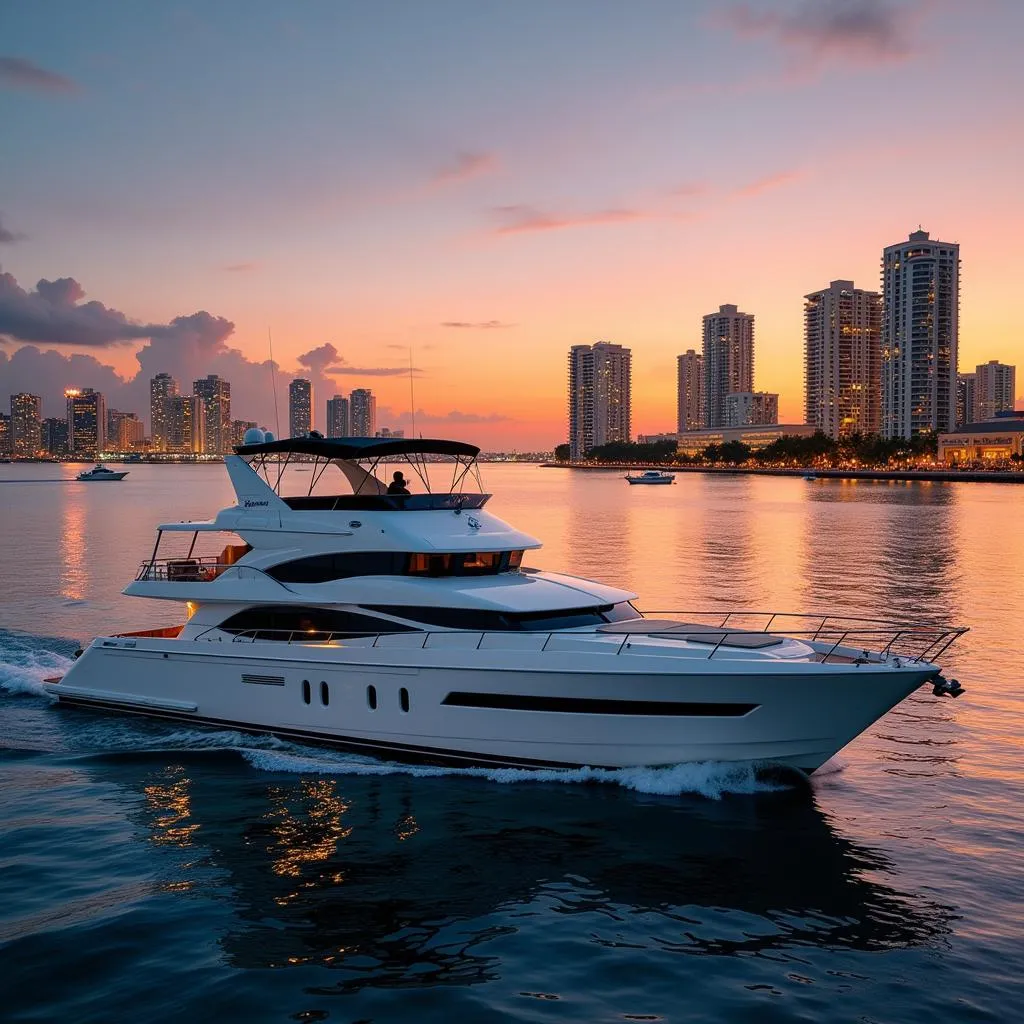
x=165 y=873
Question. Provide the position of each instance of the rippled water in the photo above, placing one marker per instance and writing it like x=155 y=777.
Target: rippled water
x=155 y=872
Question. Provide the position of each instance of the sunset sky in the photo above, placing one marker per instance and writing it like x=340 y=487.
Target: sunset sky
x=486 y=183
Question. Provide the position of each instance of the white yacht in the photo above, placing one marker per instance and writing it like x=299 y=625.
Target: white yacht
x=101 y=472
x=407 y=626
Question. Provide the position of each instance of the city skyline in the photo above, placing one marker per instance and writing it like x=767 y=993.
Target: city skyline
x=497 y=230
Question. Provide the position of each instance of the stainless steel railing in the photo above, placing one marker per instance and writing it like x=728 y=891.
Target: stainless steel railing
x=197 y=569
x=853 y=640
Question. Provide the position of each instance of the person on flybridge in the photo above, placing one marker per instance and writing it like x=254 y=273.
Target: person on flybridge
x=398 y=484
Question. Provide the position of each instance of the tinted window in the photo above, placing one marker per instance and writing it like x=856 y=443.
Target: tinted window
x=482 y=619
x=273 y=622
x=342 y=565
x=337 y=566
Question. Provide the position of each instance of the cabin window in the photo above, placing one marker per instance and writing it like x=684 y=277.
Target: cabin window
x=403 y=699
x=341 y=565
x=298 y=623
x=485 y=619
x=305 y=691
x=371 y=697
x=325 y=694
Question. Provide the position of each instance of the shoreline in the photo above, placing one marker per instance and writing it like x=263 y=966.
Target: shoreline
x=934 y=475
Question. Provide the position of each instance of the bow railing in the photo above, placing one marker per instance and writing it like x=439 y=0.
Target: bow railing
x=833 y=639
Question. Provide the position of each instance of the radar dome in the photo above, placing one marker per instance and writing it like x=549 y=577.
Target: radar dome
x=268 y=435
x=253 y=436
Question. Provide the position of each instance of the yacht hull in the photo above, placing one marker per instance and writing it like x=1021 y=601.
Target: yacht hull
x=538 y=708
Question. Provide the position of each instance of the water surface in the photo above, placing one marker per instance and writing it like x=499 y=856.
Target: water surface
x=169 y=873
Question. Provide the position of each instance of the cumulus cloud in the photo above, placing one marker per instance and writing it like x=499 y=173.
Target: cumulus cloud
x=464 y=167
x=477 y=325
x=18 y=73
x=8 y=237
x=517 y=219
x=51 y=313
x=865 y=31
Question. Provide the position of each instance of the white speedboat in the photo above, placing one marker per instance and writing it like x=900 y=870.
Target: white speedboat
x=100 y=472
x=407 y=626
x=652 y=476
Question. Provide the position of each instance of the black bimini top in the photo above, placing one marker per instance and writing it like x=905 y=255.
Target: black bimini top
x=360 y=447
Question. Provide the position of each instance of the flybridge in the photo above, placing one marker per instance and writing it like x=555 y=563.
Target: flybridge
x=358 y=459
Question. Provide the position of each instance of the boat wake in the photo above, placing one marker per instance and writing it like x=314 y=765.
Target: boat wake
x=710 y=780
x=24 y=664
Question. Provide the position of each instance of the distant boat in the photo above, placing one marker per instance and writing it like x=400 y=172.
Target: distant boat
x=652 y=476
x=101 y=473
x=810 y=476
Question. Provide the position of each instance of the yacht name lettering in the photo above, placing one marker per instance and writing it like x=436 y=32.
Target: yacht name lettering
x=249 y=503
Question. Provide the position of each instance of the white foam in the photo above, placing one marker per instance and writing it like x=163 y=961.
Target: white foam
x=706 y=779
x=23 y=668
x=221 y=739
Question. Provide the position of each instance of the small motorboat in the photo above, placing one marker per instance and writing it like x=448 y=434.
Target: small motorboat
x=652 y=476
x=100 y=472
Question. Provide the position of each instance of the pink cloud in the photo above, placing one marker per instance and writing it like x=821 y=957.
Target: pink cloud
x=240 y=268
x=464 y=167
x=767 y=183
x=518 y=219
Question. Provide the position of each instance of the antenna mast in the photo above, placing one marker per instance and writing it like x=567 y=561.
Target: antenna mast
x=412 y=394
x=273 y=382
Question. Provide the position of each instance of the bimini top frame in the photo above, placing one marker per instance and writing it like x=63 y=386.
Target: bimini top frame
x=271 y=458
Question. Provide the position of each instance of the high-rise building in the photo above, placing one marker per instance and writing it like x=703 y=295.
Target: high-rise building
x=388 y=432
x=751 y=409
x=994 y=390
x=728 y=349
x=5 y=435
x=125 y=431
x=689 y=391
x=162 y=388
x=843 y=360
x=964 y=399
x=300 y=407
x=216 y=396
x=186 y=425
x=87 y=422
x=600 y=394
x=53 y=436
x=338 y=422
x=362 y=406
x=920 y=332
x=238 y=429
x=25 y=421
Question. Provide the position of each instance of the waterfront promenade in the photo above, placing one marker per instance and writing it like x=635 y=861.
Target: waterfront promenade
x=990 y=476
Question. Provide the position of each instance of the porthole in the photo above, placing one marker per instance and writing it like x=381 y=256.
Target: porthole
x=305 y=691
x=403 y=699
x=325 y=695
x=371 y=697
